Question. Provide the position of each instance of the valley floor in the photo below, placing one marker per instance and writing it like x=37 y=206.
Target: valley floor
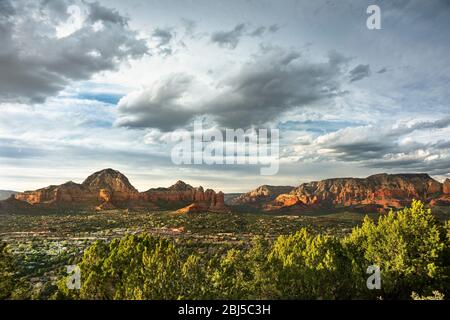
x=45 y=244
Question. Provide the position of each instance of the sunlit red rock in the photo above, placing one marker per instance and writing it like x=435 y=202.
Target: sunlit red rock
x=108 y=189
x=446 y=186
x=383 y=190
x=261 y=195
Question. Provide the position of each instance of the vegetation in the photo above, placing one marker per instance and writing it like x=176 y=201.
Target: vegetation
x=6 y=272
x=163 y=255
x=410 y=246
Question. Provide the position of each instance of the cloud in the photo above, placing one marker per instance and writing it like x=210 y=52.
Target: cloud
x=360 y=72
x=163 y=38
x=388 y=146
x=159 y=106
x=403 y=128
x=275 y=82
x=261 y=30
x=42 y=52
x=258 y=92
x=229 y=39
x=258 y=32
x=98 y=13
x=189 y=26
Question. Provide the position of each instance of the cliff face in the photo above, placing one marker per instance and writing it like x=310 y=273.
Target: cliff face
x=444 y=199
x=446 y=186
x=111 y=186
x=104 y=186
x=261 y=195
x=382 y=190
x=195 y=199
x=67 y=192
x=108 y=189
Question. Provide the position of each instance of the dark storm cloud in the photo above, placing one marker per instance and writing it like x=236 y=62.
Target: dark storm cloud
x=272 y=84
x=159 y=106
x=359 y=72
x=229 y=39
x=35 y=64
x=258 y=92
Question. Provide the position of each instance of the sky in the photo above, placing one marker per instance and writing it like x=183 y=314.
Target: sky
x=90 y=85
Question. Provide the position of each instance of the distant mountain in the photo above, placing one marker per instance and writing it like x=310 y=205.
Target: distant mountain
x=260 y=196
x=109 y=189
x=378 y=192
x=229 y=197
x=12 y=205
x=5 y=194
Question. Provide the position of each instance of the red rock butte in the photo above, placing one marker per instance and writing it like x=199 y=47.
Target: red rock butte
x=109 y=189
x=378 y=192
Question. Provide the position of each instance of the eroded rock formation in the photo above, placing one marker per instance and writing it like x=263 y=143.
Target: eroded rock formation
x=446 y=186
x=261 y=195
x=108 y=189
x=382 y=190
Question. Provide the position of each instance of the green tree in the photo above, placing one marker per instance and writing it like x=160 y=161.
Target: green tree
x=410 y=246
x=407 y=246
x=6 y=272
x=136 y=267
x=310 y=267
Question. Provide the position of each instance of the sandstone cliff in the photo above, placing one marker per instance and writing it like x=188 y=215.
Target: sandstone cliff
x=67 y=192
x=382 y=190
x=111 y=186
x=261 y=195
x=108 y=189
x=192 y=199
x=444 y=199
x=446 y=186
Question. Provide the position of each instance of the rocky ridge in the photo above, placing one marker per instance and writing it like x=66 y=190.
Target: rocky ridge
x=262 y=194
x=381 y=192
x=108 y=189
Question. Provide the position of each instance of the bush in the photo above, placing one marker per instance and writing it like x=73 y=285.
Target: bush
x=136 y=267
x=6 y=272
x=411 y=248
